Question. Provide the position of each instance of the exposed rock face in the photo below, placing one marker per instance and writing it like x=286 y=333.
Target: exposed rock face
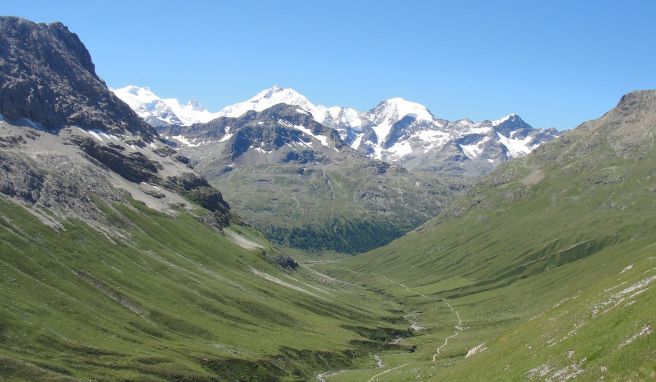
x=46 y=75
x=295 y=179
x=134 y=167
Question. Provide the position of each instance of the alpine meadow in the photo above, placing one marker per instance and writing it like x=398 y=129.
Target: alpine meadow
x=144 y=238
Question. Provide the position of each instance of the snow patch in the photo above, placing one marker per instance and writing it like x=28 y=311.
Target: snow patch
x=321 y=138
x=400 y=149
x=503 y=119
x=517 y=147
x=185 y=141
x=473 y=151
x=95 y=135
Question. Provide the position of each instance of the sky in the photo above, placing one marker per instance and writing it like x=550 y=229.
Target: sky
x=555 y=63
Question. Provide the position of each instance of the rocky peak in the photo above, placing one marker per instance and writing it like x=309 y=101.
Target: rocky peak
x=640 y=102
x=47 y=75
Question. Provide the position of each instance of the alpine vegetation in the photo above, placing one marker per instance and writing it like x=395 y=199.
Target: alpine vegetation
x=147 y=239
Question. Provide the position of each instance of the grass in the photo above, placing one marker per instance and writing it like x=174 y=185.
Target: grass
x=550 y=263
x=526 y=266
x=344 y=206
x=173 y=300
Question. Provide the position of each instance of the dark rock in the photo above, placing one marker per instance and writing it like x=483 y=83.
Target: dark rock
x=197 y=188
x=182 y=159
x=164 y=151
x=134 y=167
x=46 y=75
x=115 y=146
x=287 y=262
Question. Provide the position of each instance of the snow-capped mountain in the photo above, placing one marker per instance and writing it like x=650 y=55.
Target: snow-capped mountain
x=395 y=130
x=159 y=111
x=399 y=130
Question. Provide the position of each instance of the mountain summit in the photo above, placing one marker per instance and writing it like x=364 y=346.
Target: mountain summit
x=159 y=111
x=395 y=130
x=47 y=75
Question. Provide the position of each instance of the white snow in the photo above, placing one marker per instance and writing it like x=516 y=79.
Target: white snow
x=429 y=133
x=517 y=147
x=435 y=138
x=400 y=149
x=185 y=141
x=225 y=137
x=351 y=117
x=356 y=141
x=95 y=135
x=261 y=150
x=473 y=151
x=477 y=129
x=388 y=112
x=503 y=119
x=321 y=138
x=403 y=108
x=168 y=110
x=271 y=97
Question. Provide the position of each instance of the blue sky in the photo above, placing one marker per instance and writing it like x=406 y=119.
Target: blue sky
x=556 y=63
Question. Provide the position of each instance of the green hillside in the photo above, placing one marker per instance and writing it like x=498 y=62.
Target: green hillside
x=549 y=262
x=171 y=299
x=347 y=206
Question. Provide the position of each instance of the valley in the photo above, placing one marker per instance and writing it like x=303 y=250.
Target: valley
x=143 y=239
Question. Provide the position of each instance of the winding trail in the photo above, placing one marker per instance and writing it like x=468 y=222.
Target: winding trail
x=386 y=371
x=323 y=377
x=458 y=328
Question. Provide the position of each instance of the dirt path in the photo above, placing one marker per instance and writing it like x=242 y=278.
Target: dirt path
x=240 y=240
x=323 y=377
x=458 y=328
x=372 y=379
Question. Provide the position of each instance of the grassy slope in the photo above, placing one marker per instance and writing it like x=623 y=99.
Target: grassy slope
x=174 y=301
x=344 y=206
x=525 y=260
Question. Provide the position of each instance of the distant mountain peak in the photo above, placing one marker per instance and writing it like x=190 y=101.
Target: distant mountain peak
x=268 y=98
x=510 y=117
x=159 y=111
x=401 y=107
x=398 y=130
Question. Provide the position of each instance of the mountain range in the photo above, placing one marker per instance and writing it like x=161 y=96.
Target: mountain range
x=395 y=130
x=120 y=259
x=318 y=177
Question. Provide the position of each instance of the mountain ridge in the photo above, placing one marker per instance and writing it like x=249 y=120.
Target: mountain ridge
x=401 y=131
x=47 y=75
